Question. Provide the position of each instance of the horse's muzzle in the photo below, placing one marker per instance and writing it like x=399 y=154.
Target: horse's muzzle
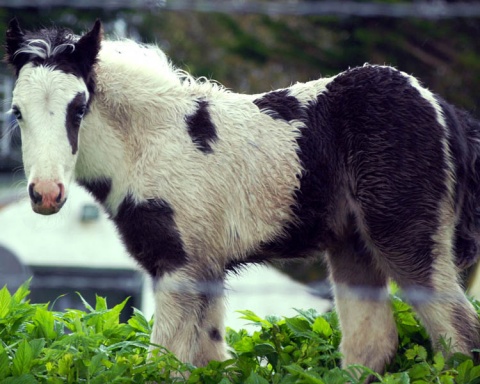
x=47 y=197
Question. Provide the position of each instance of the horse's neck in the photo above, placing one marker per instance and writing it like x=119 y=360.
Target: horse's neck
x=101 y=154
x=135 y=109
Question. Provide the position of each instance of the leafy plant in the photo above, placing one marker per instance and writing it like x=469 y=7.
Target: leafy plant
x=92 y=346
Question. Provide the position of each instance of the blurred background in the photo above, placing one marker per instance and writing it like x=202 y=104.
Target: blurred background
x=250 y=46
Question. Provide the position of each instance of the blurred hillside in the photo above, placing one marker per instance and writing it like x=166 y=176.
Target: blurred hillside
x=255 y=53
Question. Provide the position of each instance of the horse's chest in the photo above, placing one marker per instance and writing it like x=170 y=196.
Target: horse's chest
x=150 y=234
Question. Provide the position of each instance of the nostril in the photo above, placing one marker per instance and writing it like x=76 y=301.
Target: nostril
x=34 y=195
x=60 y=193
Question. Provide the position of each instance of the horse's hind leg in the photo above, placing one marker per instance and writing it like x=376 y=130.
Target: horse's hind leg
x=419 y=256
x=440 y=302
x=445 y=312
x=369 y=334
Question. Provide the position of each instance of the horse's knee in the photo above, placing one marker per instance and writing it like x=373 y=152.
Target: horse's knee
x=189 y=318
x=212 y=346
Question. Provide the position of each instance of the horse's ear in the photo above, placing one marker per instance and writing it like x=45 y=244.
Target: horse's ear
x=14 y=40
x=87 y=47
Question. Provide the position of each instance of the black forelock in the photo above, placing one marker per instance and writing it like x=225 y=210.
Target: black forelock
x=55 y=35
x=47 y=41
x=56 y=49
x=55 y=38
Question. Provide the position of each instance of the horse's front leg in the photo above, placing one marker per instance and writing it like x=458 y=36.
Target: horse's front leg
x=189 y=317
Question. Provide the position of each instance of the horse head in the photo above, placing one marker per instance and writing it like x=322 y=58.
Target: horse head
x=51 y=97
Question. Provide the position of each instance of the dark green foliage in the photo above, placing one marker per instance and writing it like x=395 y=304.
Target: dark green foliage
x=43 y=346
x=255 y=53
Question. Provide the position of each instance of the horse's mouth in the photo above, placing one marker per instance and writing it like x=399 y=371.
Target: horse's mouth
x=48 y=209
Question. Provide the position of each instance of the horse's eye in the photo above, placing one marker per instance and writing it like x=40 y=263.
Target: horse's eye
x=16 y=112
x=81 y=111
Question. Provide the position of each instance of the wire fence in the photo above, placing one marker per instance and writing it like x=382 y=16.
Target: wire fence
x=322 y=289
x=418 y=9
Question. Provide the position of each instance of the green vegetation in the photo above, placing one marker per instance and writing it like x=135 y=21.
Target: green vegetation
x=39 y=345
x=255 y=53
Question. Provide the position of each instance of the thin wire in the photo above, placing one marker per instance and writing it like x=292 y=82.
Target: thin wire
x=419 y=9
x=321 y=289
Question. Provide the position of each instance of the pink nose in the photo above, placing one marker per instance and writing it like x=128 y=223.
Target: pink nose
x=47 y=197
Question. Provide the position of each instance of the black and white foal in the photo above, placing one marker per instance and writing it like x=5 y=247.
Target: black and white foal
x=368 y=166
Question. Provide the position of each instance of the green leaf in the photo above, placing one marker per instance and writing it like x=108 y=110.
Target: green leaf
x=22 y=291
x=299 y=326
x=244 y=345
x=119 y=307
x=422 y=352
x=416 y=353
x=448 y=379
x=475 y=372
x=45 y=322
x=264 y=349
x=4 y=363
x=338 y=376
x=85 y=303
x=139 y=322
x=96 y=363
x=65 y=363
x=268 y=351
x=463 y=370
x=254 y=378
x=321 y=326
x=111 y=318
x=23 y=359
x=101 y=303
x=439 y=361
x=37 y=346
x=128 y=346
x=310 y=314
x=249 y=315
x=5 y=300
x=26 y=378
x=397 y=378
x=300 y=372
x=419 y=371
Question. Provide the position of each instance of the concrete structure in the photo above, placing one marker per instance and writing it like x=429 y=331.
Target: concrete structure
x=79 y=248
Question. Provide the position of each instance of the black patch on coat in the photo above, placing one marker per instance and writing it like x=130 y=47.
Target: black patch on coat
x=370 y=145
x=466 y=250
x=310 y=233
x=201 y=128
x=100 y=188
x=150 y=234
x=76 y=109
x=279 y=105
